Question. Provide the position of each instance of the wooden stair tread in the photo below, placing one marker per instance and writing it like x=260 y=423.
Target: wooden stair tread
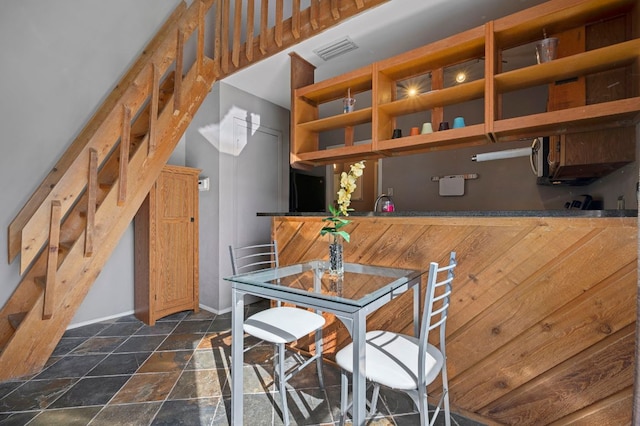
x=16 y=319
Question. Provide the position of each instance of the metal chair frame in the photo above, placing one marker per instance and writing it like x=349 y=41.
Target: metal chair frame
x=436 y=308
x=263 y=256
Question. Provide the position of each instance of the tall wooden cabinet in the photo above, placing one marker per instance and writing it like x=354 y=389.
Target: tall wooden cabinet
x=166 y=246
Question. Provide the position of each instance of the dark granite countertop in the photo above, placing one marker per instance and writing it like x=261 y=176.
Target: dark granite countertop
x=478 y=213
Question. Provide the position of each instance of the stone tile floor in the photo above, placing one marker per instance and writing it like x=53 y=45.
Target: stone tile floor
x=123 y=372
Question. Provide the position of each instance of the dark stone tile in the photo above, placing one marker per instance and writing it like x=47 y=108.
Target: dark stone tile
x=216 y=340
x=308 y=407
x=17 y=419
x=161 y=362
x=140 y=344
x=146 y=387
x=98 y=345
x=87 y=330
x=258 y=410
x=67 y=344
x=187 y=412
x=200 y=315
x=221 y=323
x=255 y=379
x=127 y=414
x=119 y=364
x=179 y=316
x=203 y=359
x=189 y=327
x=180 y=341
x=35 y=395
x=222 y=418
x=91 y=391
x=121 y=329
x=9 y=386
x=396 y=402
x=308 y=376
x=71 y=366
x=79 y=416
x=160 y=328
x=199 y=384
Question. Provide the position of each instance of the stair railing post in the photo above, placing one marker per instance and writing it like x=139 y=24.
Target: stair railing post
x=177 y=90
x=125 y=139
x=153 y=110
x=92 y=189
x=52 y=260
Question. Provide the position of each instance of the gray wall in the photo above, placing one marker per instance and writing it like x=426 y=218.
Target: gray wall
x=212 y=146
x=59 y=61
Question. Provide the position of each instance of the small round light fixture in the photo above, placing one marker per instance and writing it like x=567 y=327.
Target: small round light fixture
x=412 y=91
x=461 y=77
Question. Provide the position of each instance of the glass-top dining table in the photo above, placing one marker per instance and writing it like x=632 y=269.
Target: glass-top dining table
x=360 y=291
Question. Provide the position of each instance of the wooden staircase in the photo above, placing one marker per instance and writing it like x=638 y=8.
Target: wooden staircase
x=68 y=229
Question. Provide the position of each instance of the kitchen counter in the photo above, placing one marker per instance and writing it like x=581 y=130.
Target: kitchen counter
x=542 y=299
x=477 y=213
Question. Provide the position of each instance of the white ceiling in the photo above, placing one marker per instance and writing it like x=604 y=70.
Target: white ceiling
x=387 y=30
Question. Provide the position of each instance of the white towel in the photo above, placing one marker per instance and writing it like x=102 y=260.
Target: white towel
x=451 y=185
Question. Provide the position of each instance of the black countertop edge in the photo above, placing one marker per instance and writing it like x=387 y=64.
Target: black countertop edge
x=478 y=213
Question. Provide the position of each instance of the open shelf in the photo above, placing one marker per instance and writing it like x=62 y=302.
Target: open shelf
x=435 y=98
x=620 y=113
x=464 y=136
x=337 y=155
x=429 y=64
x=354 y=118
x=605 y=58
x=356 y=81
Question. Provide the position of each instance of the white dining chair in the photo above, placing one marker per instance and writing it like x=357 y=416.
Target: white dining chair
x=278 y=325
x=406 y=363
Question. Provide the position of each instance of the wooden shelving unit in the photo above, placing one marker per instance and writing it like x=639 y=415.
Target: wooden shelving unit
x=487 y=43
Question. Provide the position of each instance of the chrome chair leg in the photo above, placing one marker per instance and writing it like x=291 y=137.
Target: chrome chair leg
x=344 y=393
x=319 y=359
x=374 y=399
x=282 y=384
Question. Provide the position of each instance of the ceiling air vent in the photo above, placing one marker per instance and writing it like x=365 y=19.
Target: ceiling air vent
x=336 y=48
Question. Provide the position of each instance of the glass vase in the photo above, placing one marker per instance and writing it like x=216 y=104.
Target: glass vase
x=336 y=265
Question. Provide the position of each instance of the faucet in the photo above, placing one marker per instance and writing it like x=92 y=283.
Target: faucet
x=387 y=206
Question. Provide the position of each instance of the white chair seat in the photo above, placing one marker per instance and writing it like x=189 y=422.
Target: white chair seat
x=392 y=360
x=283 y=324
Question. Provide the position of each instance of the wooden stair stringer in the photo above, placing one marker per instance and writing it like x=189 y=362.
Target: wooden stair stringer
x=31 y=345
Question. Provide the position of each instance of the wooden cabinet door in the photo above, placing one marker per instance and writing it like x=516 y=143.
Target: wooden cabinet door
x=176 y=235
x=166 y=246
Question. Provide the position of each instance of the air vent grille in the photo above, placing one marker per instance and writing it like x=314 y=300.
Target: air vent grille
x=336 y=48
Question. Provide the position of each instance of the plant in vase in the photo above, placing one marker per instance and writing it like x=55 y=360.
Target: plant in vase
x=337 y=222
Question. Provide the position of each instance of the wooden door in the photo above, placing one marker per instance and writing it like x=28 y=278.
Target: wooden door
x=176 y=231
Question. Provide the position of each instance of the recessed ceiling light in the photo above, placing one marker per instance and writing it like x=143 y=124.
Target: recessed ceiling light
x=461 y=77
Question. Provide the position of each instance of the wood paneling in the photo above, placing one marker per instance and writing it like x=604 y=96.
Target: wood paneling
x=542 y=321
